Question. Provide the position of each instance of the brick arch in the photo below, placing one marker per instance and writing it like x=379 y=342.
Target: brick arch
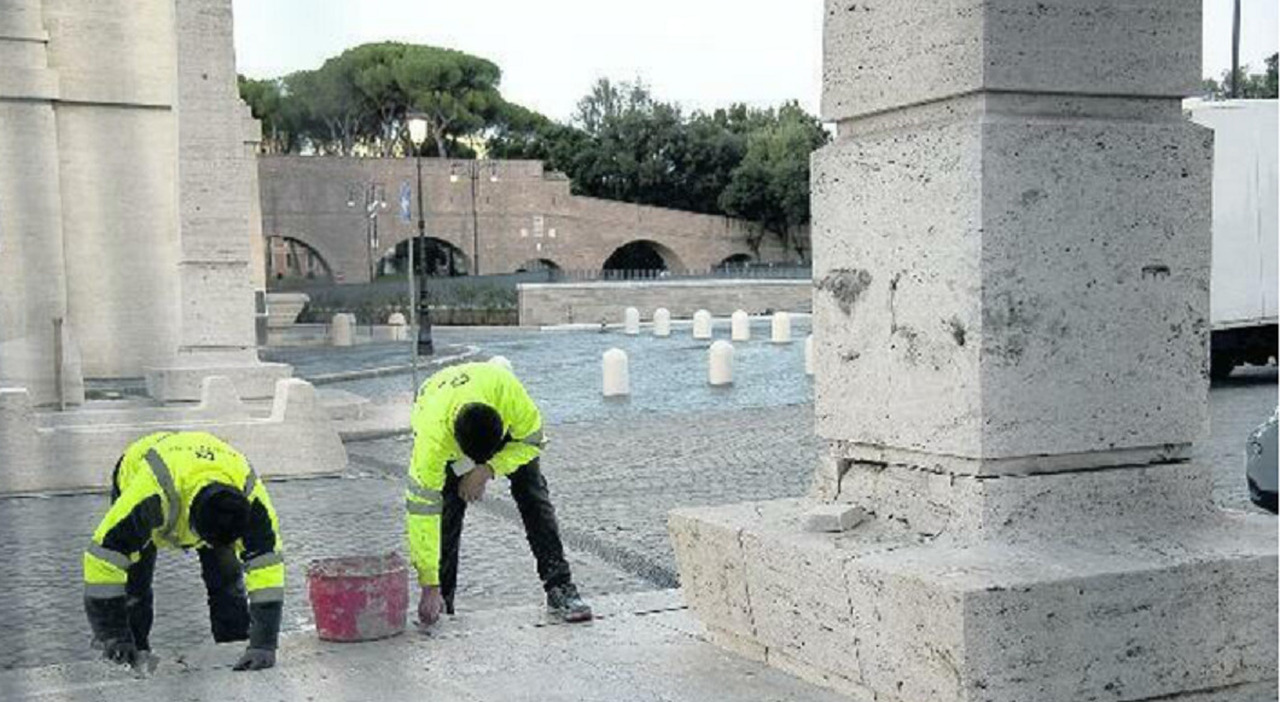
x=281 y=247
x=643 y=251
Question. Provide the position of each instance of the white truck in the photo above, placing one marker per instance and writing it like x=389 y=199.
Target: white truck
x=1243 y=283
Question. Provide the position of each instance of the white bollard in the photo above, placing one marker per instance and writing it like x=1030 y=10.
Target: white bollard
x=702 y=324
x=741 y=325
x=342 y=329
x=502 y=361
x=808 y=355
x=399 y=326
x=631 y=321
x=720 y=369
x=617 y=380
x=781 y=328
x=662 y=322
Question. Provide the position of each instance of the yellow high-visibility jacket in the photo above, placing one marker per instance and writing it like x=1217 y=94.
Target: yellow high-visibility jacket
x=158 y=478
x=439 y=400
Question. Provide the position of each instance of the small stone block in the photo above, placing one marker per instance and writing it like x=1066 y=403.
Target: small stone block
x=833 y=518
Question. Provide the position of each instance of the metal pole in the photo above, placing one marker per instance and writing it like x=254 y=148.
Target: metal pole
x=413 y=317
x=475 y=221
x=1235 y=52
x=371 y=226
x=425 y=346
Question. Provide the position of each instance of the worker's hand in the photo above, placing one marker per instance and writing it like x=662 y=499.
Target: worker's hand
x=122 y=652
x=430 y=606
x=256 y=659
x=472 y=486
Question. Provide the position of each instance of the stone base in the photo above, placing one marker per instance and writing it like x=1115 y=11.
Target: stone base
x=182 y=379
x=881 y=612
x=75 y=451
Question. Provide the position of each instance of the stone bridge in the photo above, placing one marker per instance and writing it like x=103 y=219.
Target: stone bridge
x=507 y=215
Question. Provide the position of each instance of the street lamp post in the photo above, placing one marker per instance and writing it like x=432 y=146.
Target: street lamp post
x=374 y=200
x=419 y=294
x=474 y=169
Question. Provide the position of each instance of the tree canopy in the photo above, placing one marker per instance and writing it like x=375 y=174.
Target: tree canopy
x=1253 y=86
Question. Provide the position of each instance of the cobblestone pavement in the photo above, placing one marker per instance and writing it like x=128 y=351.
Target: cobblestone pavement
x=613 y=478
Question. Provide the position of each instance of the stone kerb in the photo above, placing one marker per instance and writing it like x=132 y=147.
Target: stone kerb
x=42 y=455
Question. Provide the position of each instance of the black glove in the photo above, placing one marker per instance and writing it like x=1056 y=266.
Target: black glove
x=109 y=620
x=256 y=659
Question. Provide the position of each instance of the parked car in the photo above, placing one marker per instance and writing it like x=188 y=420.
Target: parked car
x=1260 y=464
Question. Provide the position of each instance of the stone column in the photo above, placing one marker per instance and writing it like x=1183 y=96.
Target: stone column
x=1011 y=244
x=215 y=210
x=252 y=130
x=117 y=158
x=33 y=280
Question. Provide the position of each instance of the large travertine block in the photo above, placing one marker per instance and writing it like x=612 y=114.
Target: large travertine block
x=981 y=317
x=885 y=54
x=1140 y=615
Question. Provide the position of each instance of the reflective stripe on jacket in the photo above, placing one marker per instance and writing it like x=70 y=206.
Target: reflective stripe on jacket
x=439 y=400
x=157 y=479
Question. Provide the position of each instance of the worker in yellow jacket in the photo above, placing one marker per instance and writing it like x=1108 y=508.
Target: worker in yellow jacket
x=186 y=490
x=472 y=422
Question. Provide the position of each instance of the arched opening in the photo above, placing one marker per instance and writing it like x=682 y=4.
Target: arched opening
x=736 y=261
x=641 y=259
x=538 y=265
x=438 y=257
x=293 y=259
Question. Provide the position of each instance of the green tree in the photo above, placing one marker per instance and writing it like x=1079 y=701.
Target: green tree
x=771 y=185
x=266 y=101
x=457 y=92
x=1253 y=86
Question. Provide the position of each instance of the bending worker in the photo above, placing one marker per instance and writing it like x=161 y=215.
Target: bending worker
x=186 y=490
x=472 y=422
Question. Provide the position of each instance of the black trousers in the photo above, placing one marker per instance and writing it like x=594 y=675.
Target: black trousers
x=223 y=577
x=533 y=499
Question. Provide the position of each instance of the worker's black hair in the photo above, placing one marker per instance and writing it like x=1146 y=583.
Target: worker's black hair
x=478 y=430
x=220 y=514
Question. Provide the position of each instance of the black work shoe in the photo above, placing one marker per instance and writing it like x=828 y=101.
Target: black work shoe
x=565 y=604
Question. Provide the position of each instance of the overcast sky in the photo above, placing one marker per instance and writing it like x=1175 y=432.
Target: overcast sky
x=701 y=53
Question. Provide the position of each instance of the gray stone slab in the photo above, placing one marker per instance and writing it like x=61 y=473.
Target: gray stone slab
x=880 y=55
x=631 y=653
x=1143 y=613
x=982 y=318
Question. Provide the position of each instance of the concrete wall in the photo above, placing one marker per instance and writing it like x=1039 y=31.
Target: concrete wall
x=526 y=214
x=570 y=303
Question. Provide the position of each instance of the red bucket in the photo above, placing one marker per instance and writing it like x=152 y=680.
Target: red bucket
x=359 y=598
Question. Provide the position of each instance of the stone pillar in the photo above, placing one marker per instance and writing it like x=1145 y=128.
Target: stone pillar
x=32 y=274
x=1011 y=246
x=215 y=210
x=117 y=151
x=252 y=131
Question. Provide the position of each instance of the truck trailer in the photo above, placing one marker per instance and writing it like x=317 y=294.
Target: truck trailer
x=1243 y=282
